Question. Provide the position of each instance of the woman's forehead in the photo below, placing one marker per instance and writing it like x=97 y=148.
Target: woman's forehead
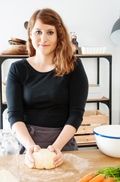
x=40 y=25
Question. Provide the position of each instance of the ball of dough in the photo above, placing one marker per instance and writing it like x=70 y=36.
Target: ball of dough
x=44 y=159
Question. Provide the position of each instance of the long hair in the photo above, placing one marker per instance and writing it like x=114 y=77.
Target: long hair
x=63 y=54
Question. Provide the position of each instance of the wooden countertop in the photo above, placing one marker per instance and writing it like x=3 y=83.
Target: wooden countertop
x=76 y=164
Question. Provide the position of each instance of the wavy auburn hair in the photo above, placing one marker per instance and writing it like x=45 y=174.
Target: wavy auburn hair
x=63 y=54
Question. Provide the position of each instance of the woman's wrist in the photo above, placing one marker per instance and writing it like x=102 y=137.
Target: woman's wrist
x=33 y=148
x=55 y=146
x=29 y=145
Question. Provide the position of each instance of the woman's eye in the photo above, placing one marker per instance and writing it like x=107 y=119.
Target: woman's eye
x=38 y=32
x=50 y=32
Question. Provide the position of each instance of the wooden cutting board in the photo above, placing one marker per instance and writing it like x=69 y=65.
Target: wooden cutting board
x=76 y=164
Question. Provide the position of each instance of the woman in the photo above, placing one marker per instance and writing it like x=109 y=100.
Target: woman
x=46 y=93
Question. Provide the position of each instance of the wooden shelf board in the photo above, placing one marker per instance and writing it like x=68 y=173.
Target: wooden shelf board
x=87 y=144
x=13 y=56
x=94 y=85
x=98 y=99
x=93 y=55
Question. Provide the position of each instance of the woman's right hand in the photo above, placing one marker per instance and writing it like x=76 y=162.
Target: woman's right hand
x=29 y=161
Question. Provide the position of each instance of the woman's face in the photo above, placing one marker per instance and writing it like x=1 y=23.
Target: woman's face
x=44 y=38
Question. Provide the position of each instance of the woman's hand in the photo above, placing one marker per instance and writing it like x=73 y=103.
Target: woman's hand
x=29 y=161
x=58 y=160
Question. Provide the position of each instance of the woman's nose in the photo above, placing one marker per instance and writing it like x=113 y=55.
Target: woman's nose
x=44 y=38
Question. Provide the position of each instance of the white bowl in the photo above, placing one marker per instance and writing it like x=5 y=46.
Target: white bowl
x=108 y=139
x=93 y=50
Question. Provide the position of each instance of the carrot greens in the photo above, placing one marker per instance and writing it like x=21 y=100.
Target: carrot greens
x=111 y=172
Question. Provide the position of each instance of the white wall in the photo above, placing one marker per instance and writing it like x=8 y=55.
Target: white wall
x=92 y=20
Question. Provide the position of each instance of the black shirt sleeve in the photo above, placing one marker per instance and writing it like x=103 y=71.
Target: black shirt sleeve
x=14 y=95
x=78 y=92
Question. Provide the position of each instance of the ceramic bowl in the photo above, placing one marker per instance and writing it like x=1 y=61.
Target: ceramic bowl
x=108 y=139
x=93 y=50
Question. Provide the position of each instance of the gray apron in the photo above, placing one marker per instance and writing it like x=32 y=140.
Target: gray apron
x=44 y=136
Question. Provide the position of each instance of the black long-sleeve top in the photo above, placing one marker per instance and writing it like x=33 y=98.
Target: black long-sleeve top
x=43 y=99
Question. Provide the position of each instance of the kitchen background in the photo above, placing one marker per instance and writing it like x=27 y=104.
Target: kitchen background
x=91 y=20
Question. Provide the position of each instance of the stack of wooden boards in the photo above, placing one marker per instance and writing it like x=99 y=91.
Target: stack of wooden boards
x=91 y=119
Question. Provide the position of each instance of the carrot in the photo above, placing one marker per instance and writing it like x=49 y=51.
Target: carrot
x=88 y=177
x=98 y=178
x=109 y=179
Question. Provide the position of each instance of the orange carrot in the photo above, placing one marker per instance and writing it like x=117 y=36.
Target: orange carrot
x=98 y=178
x=109 y=179
x=88 y=177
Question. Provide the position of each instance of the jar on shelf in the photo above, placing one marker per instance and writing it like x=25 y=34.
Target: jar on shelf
x=74 y=43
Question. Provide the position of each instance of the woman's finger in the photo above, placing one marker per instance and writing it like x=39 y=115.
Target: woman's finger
x=36 y=148
x=58 y=159
x=28 y=162
x=51 y=148
x=58 y=154
x=30 y=150
x=29 y=154
x=58 y=163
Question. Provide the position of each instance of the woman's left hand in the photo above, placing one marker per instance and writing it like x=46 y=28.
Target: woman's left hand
x=29 y=160
x=58 y=160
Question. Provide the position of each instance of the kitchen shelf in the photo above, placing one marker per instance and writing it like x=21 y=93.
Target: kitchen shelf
x=84 y=135
x=103 y=99
x=3 y=106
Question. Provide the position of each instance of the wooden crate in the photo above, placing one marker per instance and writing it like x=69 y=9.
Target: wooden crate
x=84 y=135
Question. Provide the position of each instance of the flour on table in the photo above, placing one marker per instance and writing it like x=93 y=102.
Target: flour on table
x=6 y=176
x=70 y=170
x=77 y=162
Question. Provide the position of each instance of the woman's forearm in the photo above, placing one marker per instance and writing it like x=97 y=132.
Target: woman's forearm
x=22 y=134
x=26 y=140
x=66 y=134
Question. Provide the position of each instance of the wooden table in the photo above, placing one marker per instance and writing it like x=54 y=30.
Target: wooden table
x=76 y=164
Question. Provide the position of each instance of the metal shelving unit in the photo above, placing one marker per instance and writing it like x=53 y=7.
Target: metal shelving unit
x=85 y=135
x=3 y=106
x=107 y=101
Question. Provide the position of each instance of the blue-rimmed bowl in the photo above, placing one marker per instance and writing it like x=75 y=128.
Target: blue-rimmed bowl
x=108 y=139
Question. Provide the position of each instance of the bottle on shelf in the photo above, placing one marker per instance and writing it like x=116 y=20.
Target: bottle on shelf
x=74 y=42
